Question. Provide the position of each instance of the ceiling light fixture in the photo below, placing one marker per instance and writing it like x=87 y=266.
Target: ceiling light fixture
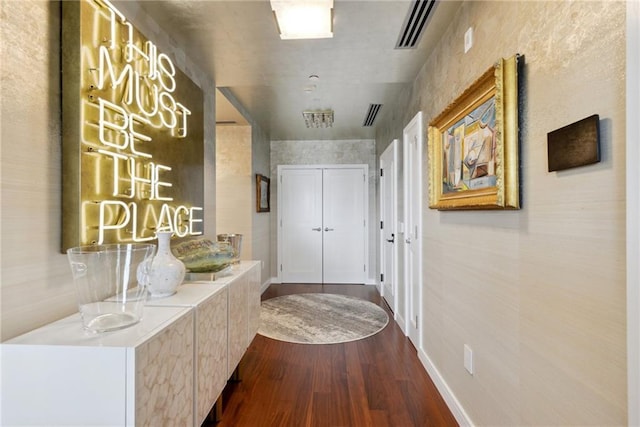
x=318 y=119
x=303 y=19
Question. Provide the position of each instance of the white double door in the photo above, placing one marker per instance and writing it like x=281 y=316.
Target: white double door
x=321 y=214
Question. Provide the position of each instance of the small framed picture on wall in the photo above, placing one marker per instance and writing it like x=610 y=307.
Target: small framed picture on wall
x=263 y=193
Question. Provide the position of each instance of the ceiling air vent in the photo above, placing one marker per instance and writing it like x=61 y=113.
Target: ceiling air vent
x=415 y=23
x=372 y=113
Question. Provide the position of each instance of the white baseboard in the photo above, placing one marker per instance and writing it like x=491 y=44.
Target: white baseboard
x=265 y=285
x=401 y=322
x=450 y=399
x=276 y=281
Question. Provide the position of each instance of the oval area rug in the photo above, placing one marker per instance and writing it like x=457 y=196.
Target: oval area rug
x=320 y=318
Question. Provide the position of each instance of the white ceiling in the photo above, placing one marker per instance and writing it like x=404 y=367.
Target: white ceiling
x=237 y=42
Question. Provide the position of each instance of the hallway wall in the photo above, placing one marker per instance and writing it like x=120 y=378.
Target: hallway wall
x=260 y=162
x=36 y=286
x=235 y=200
x=538 y=293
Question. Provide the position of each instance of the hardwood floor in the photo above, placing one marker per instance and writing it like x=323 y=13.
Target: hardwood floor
x=378 y=381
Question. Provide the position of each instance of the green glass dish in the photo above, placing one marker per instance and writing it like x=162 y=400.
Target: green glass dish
x=204 y=255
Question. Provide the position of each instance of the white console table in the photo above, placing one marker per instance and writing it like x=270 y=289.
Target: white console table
x=168 y=369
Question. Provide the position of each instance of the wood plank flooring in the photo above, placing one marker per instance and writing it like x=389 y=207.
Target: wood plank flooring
x=378 y=381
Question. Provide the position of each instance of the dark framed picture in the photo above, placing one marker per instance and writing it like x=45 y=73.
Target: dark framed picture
x=263 y=193
x=577 y=144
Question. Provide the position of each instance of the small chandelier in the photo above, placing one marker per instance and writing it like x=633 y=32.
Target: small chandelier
x=318 y=119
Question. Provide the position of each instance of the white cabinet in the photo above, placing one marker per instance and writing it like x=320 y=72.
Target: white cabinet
x=243 y=285
x=244 y=306
x=253 y=277
x=61 y=375
x=211 y=355
x=238 y=320
x=209 y=304
x=169 y=369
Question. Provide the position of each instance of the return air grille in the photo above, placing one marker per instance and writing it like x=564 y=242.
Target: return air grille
x=415 y=23
x=372 y=113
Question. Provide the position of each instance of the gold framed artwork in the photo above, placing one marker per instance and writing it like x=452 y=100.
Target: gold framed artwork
x=473 y=145
x=263 y=193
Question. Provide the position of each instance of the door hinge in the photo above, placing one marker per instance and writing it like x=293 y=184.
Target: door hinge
x=381 y=278
x=280 y=267
x=381 y=172
x=381 y=225
x=364 y=268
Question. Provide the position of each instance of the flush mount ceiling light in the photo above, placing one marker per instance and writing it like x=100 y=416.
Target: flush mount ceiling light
x=318 y=119
x=303 y=19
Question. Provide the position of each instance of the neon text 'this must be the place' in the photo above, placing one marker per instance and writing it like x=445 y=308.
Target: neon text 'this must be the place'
x=135 y=89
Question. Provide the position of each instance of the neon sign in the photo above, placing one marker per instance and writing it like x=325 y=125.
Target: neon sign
x=139 y=150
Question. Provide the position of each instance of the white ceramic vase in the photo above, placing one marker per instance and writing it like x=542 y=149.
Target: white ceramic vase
x=167 y=271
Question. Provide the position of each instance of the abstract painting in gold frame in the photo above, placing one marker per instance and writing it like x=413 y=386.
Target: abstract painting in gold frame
x=473 y=145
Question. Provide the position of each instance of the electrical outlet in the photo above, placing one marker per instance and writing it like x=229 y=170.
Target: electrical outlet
x=468 y=359
x=468 y=39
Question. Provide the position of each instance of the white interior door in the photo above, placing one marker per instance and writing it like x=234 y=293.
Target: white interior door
x=388 y=232
x=300 y=216
x=322 y=219
x=344 y=225
x=412 y=148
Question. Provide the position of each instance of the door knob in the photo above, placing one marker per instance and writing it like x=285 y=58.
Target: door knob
x=317 y=229
x=328 y=229
x=392 y=240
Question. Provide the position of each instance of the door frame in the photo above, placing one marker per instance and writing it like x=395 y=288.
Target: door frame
x=393 y=225
x=416 y=290
x=365 y=169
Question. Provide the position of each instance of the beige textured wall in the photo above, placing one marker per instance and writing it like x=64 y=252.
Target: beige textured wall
x=539 y=293
x=36 y=282
x=260 y=163
x=234 y=184
x=261 y=233
x=633 y=210
x=36 y=286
